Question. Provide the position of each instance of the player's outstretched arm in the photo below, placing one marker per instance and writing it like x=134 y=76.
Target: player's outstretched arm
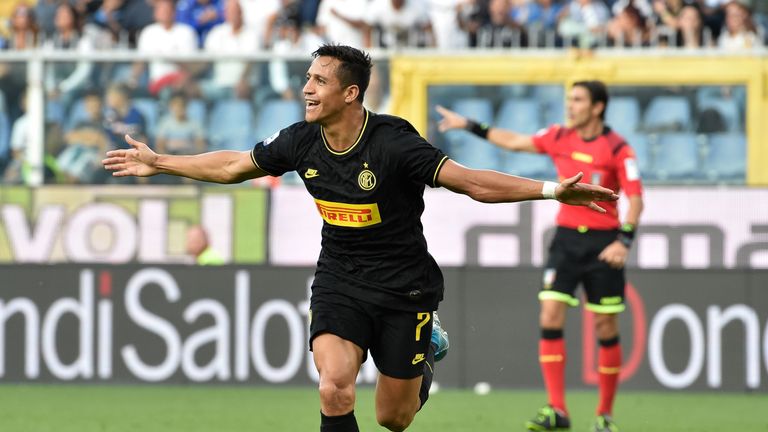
x=218 y=167
x=495 y=187
x=503 y=138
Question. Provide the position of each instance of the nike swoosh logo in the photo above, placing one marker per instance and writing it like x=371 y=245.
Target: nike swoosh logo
x=311 y=174
x=418 y=359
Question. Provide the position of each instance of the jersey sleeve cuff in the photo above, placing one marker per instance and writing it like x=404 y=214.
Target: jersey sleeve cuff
x=437 y=171
x=253 y=159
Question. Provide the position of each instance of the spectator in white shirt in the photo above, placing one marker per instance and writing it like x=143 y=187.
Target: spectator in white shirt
x=343 y=22
x=163 y=37
x=585 y=21
x=258 y=13
x=287 y=78
x=402 y=22
x=739 y=31
x=231 y=77
x=64 y=80
x=443 y=15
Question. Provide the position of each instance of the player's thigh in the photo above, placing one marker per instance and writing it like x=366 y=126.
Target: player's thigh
x=337 y=360
x=341 y=331
x=401 y=342
x=604 y=286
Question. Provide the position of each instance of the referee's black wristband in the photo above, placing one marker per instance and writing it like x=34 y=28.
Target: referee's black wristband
x=479 y=129
x=626 y=235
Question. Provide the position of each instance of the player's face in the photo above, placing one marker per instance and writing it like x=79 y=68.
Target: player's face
x=581 y=110
x=324 y=95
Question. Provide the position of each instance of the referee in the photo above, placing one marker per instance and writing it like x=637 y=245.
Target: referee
x=589 y=248
x=376 y=286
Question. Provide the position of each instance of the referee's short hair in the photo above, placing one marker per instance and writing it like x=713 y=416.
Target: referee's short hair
x=355 y=65
x=598 y=92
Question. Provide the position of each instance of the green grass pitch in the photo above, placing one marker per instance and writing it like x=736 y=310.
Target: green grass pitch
x=73 y=408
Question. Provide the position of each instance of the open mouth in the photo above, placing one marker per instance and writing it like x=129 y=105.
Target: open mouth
x=309 y=104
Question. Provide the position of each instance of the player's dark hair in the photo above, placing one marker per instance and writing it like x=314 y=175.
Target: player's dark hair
x=598 y=92
x=355 y=65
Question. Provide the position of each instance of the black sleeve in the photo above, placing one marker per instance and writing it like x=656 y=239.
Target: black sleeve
x=417 y=158
x=276 y=155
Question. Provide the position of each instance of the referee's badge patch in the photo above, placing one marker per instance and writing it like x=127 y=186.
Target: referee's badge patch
x=630 y=167
x=549 y=277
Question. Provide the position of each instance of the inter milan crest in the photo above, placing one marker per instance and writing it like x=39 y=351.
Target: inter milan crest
x=366 y=179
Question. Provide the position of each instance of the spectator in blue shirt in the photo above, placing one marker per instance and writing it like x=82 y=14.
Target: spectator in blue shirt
x=121 y=116
x=202 y=15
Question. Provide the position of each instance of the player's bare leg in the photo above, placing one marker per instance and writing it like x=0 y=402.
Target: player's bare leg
x=397 y=401
x=338 y=362
x=609 y=367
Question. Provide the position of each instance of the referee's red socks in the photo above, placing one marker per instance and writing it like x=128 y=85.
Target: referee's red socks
x=608 y=369
x=342 y=423
x=552 y=361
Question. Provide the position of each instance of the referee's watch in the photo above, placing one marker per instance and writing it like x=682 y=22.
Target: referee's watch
x=626 y=235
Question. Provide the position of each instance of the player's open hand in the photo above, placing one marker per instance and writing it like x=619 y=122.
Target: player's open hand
x=450 y=120
x=139 y=160
x=570 y=191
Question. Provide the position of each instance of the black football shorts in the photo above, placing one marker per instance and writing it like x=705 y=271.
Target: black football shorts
x=398 y=340
x=573 y=260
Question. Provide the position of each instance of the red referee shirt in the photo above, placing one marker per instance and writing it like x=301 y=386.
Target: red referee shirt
x=607 y=161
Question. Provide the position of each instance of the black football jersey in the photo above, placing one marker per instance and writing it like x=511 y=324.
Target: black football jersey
x=370 y=197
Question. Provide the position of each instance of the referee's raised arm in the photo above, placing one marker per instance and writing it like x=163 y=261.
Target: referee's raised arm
x=506 y=139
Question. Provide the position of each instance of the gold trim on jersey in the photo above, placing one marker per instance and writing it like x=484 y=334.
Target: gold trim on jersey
x=437 y=170
x=359 y=137
x=253 y=159
x=349 y=215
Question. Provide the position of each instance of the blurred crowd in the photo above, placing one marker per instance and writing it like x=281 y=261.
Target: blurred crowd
x=187 y=25
x=185 y=107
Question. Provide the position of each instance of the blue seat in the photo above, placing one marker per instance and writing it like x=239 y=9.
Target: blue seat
x=275 y=115
x=467 y=149
x=523 y=116
x=150 y=109
x=552 y=100
x=197 y=111
x=623 y=114
x=538 y=166
x=667 y=114
x=230 y=125
x=642 y=148
x=727 y=157
x=677 y=157
x=520 y=115
x=728 y=110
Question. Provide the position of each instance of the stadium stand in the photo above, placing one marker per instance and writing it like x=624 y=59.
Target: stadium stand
x=726 y=157
x=623 y=114
x=477 y=24
x=230 y=125
x=678 y=157
x=467 y=148
x=668 y=114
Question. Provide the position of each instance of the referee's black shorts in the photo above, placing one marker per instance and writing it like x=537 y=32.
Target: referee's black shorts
x=398 y=340
x=573 y=260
